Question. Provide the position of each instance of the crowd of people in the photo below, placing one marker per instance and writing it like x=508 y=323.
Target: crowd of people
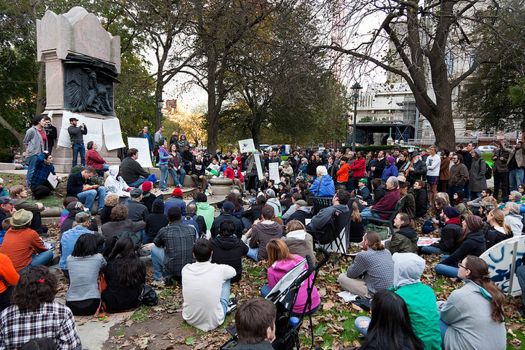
x=114 y=218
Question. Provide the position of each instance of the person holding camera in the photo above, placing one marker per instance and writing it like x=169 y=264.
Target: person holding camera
x=76 y=133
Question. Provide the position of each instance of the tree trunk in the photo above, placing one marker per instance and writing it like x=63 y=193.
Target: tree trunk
x=255 y=128
x=41 y=89
x=19 y=137
x=443 y=126
x=159 y=86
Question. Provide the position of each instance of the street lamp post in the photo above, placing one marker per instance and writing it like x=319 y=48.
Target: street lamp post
x=355 y=97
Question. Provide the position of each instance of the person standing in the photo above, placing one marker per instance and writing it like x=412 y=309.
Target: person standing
x=501 y=171
x=51 y=134
x=77 y=140
x=146 y=135
x=477 y=181
x=516 y=166
x=159 y=138
x=34 y=141
x=458 y=175
x=433 y=163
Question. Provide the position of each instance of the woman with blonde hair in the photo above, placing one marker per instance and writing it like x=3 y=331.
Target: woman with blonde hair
x=281 y=261
x=498 y=230
x=298 y=240
x=110 y=202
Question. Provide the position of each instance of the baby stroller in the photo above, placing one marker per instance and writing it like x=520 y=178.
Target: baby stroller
x=284 y=295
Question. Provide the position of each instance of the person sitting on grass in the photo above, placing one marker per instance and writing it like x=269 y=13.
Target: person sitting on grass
x=23 y=245
x=281 y=261
x=472 y=243
x=18 y=194
x=8 y=279
x=119 y=224
x=255 y=325
x=147 y=197
x=404 y=239
x=125 y=276
x=70 y=237
x=262 y=232
x=206 y=308
x=110 y=202
x=228 y=249
x=172 y=250
x=372 y=270
x=35 y=314
x=299 y=241
x=473 y=318
x=389 y=328
x=84 y=266
x=450 y=234
x=156 y=220
x=418 y=297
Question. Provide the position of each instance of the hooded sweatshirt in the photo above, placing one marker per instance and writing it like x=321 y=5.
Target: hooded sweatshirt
x=515 y=223
x=205 y=210
x=262 y=233
x=473 y=244
x=419 y=298
x=280 y=268
x=229 y=250
x=404 y=240
x=301 y=243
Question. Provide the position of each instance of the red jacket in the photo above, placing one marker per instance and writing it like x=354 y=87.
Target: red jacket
x=358 y=167
x=232 y=174
x=387 y=203
x=93 y=159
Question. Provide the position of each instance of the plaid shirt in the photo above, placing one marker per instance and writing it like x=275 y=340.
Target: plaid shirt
x=177 y=240
x=42 y=171
x=51 y=320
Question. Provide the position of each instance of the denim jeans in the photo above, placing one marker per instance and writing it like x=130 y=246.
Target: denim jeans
x=253 y=253
x=265 y=290
x=443 y=329
x=42 y=259
x=31 y=165
x=446 y=270
x=516 y=177
x=361 y=324
x=88 y=197
x=79 y=148
x=182 y=175
x=430 y=250
x=520 y=273
x=225 y=296
x=164 y=172
x=137 y=183
x=367 y=214
x=157 y=260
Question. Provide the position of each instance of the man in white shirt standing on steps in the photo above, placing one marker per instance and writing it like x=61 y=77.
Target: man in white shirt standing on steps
x=206 y=289
x=433 y=166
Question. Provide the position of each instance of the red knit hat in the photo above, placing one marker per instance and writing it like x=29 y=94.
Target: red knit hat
x=177 y=192
x=147 y=186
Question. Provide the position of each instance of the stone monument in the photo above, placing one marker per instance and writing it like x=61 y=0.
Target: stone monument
x=82 y=62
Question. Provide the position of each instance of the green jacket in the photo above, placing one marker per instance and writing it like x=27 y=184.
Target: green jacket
x=423 y=312
x=207 y=212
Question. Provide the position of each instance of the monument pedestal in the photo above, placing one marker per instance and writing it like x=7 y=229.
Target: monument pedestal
x=63 y=157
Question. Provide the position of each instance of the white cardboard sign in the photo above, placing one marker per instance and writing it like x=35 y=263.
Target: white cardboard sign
x=503 y=260
x=141 y=144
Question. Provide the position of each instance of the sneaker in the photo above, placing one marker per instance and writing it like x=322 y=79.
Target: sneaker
x=158 y=283
x=232 y=305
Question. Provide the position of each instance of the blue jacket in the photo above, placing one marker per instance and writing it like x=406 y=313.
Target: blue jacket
x=390 y=170
x=323 y=186
x=67 y=243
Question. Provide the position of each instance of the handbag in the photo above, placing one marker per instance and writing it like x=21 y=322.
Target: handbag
x=148 y=296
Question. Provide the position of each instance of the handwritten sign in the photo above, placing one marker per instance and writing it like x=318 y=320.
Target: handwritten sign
x=503 y=260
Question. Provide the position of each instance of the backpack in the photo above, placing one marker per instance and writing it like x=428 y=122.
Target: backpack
x=488 y=172
x=191 y=221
